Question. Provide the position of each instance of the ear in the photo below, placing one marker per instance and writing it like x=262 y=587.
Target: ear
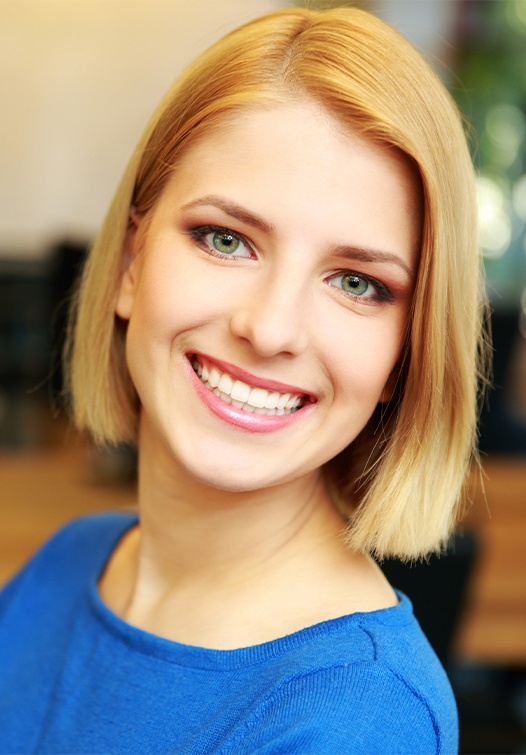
x=129 y=269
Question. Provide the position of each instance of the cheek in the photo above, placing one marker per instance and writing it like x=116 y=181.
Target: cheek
x=363 y=358
x=151 y=325
x=171 y=300
x=162 y=298
x=179 y=284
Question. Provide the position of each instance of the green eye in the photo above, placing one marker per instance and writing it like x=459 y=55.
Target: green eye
x=361 y=288
x=353 y=284
x=221 y=242
x=226 y=243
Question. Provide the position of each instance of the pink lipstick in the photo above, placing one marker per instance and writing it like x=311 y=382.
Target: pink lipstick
x=244 y=400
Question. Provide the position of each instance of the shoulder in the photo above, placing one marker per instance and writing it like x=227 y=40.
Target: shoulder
x=76 y=553
x=359 y=708
x=91 y=537
x=368 y=694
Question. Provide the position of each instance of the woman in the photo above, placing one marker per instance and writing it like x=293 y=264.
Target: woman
x=283 y=311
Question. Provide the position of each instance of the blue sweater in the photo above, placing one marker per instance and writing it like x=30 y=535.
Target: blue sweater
x=74 y=678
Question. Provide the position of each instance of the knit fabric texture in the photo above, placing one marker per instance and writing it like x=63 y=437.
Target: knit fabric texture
x=75 y=678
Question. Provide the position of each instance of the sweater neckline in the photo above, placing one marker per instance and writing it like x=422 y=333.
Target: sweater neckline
x=210 y=658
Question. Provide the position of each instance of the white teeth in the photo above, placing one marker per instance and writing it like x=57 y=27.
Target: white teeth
x=283 y=400
x=226 y=384
x=257 y=397
x=242 y=396
x=272 y=400
x=240 y=391
x=214 y=377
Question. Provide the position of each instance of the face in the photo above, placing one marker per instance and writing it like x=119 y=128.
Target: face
x=267 y=297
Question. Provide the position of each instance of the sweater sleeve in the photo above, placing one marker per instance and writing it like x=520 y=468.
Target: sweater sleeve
x=357 y=709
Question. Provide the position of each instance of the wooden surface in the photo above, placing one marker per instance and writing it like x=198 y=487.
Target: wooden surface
x=494 y=626
x=43 y=487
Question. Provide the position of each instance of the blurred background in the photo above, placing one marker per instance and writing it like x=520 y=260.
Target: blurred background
x=78 y=80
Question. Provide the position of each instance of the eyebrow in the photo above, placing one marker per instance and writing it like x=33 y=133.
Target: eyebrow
x=362 y=254
x=233 y=209
x=353 y=253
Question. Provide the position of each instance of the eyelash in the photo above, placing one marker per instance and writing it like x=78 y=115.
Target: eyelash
x=199 y=234
x=381 y=293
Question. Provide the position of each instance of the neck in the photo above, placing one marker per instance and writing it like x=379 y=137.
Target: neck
x=233 y=568
x=189 y=528
x=229 y=568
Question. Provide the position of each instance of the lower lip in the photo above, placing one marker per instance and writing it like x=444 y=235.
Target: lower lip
x=252 y=423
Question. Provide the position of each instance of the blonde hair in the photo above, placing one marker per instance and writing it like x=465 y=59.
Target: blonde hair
x=400 y=482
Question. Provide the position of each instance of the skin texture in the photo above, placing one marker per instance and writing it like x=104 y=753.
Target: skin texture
x=227 y=512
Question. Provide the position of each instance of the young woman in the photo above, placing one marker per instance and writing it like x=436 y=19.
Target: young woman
x=283 y=311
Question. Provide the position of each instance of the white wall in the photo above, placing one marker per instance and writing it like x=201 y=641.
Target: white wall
x=78 y=80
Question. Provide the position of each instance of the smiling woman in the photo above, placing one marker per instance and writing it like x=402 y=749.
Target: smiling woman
x=283 y=312
x=277 y=304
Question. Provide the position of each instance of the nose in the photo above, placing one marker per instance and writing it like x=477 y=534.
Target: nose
x=271 y=316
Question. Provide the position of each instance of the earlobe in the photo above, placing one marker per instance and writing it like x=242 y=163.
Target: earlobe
x=128 y=275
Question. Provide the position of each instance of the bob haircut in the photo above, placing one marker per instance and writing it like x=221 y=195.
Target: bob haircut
x=400 y=483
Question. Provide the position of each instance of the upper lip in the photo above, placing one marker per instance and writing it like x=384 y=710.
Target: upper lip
x=239 y=373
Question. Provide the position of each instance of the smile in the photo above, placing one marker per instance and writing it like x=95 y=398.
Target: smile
x=245 y=397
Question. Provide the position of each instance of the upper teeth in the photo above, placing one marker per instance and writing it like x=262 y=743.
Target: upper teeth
x=243 y=396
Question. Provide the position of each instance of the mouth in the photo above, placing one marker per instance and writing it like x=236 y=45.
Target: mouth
x=242 y=395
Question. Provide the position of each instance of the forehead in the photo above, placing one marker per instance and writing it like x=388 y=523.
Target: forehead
x=303 y=120
x=297 y=161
